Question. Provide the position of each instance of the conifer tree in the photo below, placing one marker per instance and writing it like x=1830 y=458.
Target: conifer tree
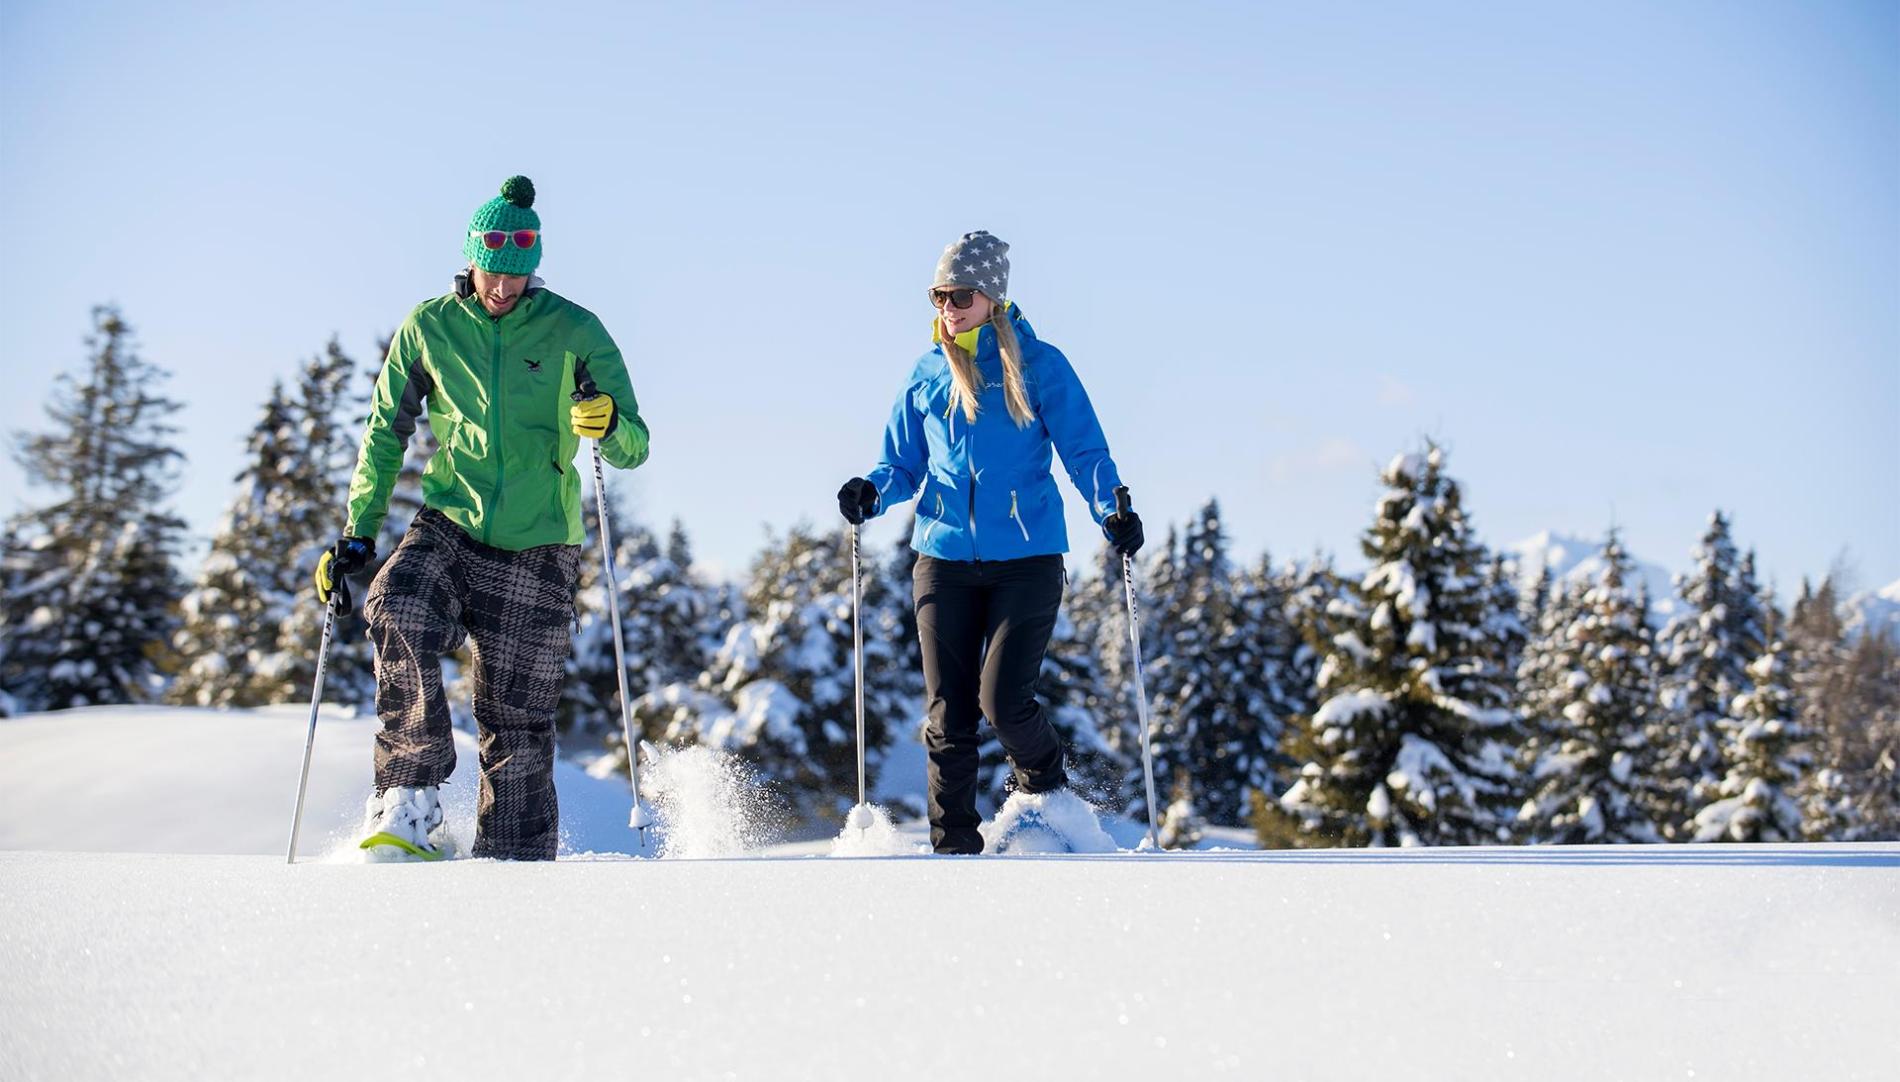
x=9 y=583
x=1316 y=599
x=1588 y=691
x=310 y=516
x=1531 y=608
x=1705 y=652
x=1766 y=761
x=252 y=623
x=664 y=626
x=1279 y=665
x=1209 y=693
x=245 y=588
x=1410 y=745
x=1507 y=632
x=1853 y=794
x=94 y=586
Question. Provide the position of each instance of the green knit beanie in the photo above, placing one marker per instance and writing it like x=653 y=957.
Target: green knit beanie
x=509 y=211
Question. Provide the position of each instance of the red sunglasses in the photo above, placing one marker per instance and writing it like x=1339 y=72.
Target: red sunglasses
x=496 y=239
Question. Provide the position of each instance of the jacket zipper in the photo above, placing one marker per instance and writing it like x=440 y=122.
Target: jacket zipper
x=974 y=554
x=969 y=450
x=488 y=520
x=1018 y=517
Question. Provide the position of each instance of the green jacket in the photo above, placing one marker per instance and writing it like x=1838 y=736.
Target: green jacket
x=497 y=392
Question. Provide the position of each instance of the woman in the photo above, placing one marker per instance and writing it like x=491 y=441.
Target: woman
x=970 y=438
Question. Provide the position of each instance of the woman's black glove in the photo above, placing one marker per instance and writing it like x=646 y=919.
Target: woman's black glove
x=1123 y=530
x=857 y=501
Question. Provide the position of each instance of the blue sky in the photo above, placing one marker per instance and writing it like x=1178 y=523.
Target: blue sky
x=1627 y=262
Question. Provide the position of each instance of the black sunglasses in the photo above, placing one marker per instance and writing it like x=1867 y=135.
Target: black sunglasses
x=958 y=298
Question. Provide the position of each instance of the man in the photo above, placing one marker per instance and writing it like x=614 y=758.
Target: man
x=495 y=553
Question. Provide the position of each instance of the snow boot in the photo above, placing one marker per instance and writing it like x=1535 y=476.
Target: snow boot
x=1054 y=822
x=401 y=823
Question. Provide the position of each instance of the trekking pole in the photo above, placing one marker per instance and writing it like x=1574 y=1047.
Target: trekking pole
x=337 y=596
x=860 y=812
x=639 y=820
x=1123 y=505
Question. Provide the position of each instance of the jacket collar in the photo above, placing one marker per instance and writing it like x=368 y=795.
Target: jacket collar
x=473 y=305
x=980 y=343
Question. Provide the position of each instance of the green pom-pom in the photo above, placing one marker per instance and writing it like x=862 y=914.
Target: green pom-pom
x=519 y=191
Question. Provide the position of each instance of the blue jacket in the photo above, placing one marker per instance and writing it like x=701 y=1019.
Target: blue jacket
x=984 y=491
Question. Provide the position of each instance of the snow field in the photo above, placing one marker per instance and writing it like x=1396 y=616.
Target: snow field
x=1720 y=962
x=1577 y=962
x=182 y=780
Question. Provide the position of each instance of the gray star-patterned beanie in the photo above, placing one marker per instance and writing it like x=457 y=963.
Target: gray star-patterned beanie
x=975 y=261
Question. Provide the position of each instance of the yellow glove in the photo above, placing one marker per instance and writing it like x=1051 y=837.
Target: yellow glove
x=593 y=418
x=347 y=556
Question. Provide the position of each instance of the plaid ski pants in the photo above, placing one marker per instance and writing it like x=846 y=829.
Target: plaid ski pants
x=515 y=609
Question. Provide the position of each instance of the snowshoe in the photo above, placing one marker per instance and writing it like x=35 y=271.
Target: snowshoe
x=404 y=824
x=1053 y=822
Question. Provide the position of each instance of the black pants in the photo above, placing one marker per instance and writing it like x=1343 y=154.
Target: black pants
x=983 y=628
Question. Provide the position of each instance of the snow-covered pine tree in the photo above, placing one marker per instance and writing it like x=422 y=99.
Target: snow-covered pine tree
x=95 y=584
x=664 y=624
x=9 y=582
x=1817 y=648
x=780 y=690
x=1315 y=594
x=1705 y=652
x=1530 y=611
x=694 y=620
x=1498 y=655
x=1766 y=760
x=1588 y=692
x=246 y=588
x=1211 y=708
x=1507 y=633
x=1280 y=666
x=310 y=518
x=1409 y=746
x=1853 y=794
x=1542 y=693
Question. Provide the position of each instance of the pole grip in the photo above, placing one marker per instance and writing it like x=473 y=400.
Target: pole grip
x=1124 y=503
x=585 y=389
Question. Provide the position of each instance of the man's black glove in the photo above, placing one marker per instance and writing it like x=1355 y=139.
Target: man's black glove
x=348 y=556
x=857 y=500
x=1123 y=530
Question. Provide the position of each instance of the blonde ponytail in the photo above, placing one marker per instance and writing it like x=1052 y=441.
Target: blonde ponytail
x=966 y=383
